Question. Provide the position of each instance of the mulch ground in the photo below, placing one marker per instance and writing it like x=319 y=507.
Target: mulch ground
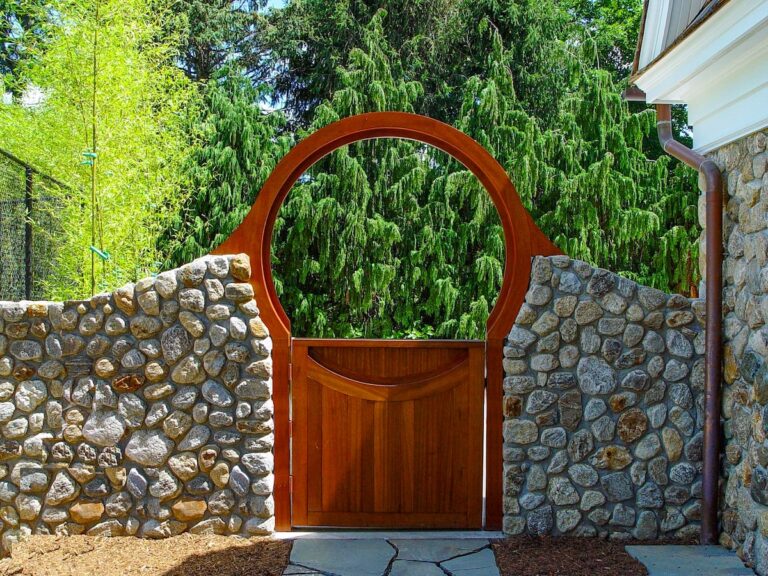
x=184 y=555
x=529 y=556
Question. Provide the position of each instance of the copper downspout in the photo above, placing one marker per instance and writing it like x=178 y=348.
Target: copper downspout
x=713 y=191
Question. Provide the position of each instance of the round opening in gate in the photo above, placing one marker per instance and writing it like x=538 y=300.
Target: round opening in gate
x=388 y=238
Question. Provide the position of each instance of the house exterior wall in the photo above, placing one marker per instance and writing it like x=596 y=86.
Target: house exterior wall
x=603 y=407
x=744 y=501
x=144 y=412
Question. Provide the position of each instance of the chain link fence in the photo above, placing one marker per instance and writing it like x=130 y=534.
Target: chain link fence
x=29 y=223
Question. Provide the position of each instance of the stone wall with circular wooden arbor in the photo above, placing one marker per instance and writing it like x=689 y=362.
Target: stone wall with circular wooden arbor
x=523 y=240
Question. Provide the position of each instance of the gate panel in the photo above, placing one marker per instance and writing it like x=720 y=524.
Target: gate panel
x=387 y=433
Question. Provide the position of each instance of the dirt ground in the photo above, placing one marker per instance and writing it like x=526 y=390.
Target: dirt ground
x=527 y=556
x=184 y=555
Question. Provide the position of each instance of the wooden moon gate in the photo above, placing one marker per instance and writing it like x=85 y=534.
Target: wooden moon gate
x=523 y=239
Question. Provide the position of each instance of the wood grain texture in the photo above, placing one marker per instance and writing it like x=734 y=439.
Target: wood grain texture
x=522 y=241
x=388 y=455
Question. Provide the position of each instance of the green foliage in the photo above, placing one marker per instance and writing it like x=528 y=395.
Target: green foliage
x=140 y=100
x=22 y=37
x=235 y=147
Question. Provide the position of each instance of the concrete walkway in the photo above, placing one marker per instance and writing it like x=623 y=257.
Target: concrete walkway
x=392 y=557
x=689 y=561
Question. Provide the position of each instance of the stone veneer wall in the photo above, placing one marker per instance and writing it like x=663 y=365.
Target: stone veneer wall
x=603 y=407
x=147 y=411
x=744 y=520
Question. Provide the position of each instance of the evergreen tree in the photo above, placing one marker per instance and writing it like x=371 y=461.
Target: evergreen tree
x=392 y=238
x=234 y=148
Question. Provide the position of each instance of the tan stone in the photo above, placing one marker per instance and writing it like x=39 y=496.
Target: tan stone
x=189 y=510
x=730 y=365
x=82 y=472
x=612 y=458
x=240 y=267
x=220 y=474
x=258 y=328
x=208 y=458
x=105 y=368
x=673 y=444
x=155 y=372
x=631 y=425
x=37 y=310
x=117 y=476
x=73 y=433
x=86 y=512
x=124 y=299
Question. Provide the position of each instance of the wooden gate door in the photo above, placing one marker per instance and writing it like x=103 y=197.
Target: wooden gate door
x=387 y=433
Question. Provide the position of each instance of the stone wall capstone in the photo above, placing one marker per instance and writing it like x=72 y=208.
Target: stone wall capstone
x=603 y=407
x=146 y=411
x=744 y=519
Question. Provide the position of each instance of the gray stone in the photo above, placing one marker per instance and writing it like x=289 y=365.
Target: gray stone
x=595 y=376
x=650 y=496
x=217 y=395
x=580 y=445
x=682 y=473
x=554 y=437
x=104 y=427
x=175 y=343
x=540 y=521
x=570 y=283
x=623 y=516
x=636 y=380
x=648 y=447
x=583 y=474
x=136 y=484
x=679 y=345
x=149 y=447
x=617 y=486
x=30 y=394
x=538 y=401
x=591 y=499
x=195 y=438
x=594 y=409
x=561 y=492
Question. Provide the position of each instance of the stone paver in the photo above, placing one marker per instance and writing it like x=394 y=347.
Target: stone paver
x=343 y=557
x=689 y=561
x=392 y=557
x=482 y=563
x=412 y=568
x=435 y=550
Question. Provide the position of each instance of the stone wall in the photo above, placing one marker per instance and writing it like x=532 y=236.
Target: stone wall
x=744 y=520
x=146 y=411
x=603 y=407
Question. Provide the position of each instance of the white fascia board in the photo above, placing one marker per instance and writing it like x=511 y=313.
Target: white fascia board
x=721 y=72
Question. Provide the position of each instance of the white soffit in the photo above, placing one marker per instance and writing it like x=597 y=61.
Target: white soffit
x=720 y=70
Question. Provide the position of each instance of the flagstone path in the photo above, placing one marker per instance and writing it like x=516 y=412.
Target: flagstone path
x=392 y=557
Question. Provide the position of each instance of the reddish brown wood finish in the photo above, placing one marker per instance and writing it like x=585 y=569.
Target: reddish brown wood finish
x=522 y=238
x=388 y=433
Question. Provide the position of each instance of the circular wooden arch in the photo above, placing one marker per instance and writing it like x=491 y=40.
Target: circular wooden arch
x=523 y=239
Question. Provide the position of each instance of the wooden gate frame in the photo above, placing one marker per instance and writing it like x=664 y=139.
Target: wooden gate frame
x=523 y=239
